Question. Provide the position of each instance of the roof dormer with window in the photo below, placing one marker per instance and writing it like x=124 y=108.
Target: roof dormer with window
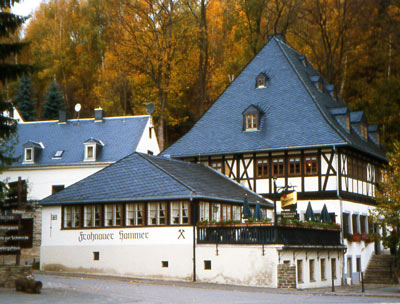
x=92 y=149
x=262 y=80
x=342 y=116
x=32 y=151
x=317 y=81
x=359 y=124
x=251 y=119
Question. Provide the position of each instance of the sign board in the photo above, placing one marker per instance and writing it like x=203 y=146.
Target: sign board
x=289 y=215
x=15 y=233
x=289 y=200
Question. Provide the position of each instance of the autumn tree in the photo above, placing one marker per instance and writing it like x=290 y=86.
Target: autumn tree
x=24 y=99
x=387 y=213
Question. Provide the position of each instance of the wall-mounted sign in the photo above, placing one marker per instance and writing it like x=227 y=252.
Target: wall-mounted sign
x=289 y=200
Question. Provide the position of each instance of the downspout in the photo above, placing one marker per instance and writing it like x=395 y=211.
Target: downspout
x=338 y=185
x=192 y=205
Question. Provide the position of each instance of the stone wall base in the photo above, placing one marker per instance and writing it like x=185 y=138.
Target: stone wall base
x=8 y=275
x=286 y=276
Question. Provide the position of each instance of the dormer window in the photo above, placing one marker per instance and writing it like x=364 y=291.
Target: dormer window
x=251 y=121
x=317 y=82
x=303 y=60
x=29 y=154
x=251 y=118
x=32 y=151
x=92 y=149
x=364 y=131
x=261 y=81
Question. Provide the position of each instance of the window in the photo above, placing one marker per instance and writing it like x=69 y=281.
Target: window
x=72 y=217
x=364 y=131
x=90 y=152
x=333 y=268
x=294 y=166
x=346 y=227
x=134 y=214
x=56 y=188
x=236 y=213
x=92 y=216
x=204 y=211
x=216 y=165
x=261 y=81
x=150 y=152
x=300 y=271
x=323 y=269
x=278 y=168
x=262 y=168
x=179 y=213
x=354 y=218
x=310 y=165
x=157 y=214
x=312 y=270
x=96 y=255
x=58 y=154
x=112 y=215
x=207 y=265
x=216 y=212
x=358 y=264
x=349 y=267
x=251 y=121
x=150 y=132
x=29 y=154
x=363 y=224
x=164 y=264
x=226 y=212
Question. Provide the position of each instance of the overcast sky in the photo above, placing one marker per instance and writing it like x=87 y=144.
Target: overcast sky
x=25 y=7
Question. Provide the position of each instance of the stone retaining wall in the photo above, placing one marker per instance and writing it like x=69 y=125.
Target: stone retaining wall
x=286 y=276
x=8 y=275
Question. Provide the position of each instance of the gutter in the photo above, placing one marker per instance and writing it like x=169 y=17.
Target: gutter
x=338 y=183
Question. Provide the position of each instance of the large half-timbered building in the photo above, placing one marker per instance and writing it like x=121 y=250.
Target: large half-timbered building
x=280 y=122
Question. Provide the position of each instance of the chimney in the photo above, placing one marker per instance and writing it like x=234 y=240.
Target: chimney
x=98 y=114
x=62 y=117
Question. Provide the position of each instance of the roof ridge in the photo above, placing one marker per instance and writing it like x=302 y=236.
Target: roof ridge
x=84 y=119
x=310 y=94
x=144 y=156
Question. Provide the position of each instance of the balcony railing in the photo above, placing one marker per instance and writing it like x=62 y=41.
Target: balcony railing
x=267 y=235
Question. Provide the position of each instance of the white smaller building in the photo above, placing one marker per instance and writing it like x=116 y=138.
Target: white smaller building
x=52 y=155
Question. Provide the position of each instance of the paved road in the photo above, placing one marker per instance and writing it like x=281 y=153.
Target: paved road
x=62 y=289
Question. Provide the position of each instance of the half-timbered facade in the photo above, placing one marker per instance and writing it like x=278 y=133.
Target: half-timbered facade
x=280 y=123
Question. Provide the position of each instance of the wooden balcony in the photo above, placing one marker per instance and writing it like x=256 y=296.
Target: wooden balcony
x=267 y=235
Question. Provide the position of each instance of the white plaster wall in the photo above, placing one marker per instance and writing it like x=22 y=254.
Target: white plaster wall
x=146 y=143
x=67 y=250
x=40 y=179
x=311 y=183
x=262 y=185
x=238 y=264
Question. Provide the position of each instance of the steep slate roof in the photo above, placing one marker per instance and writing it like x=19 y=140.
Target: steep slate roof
x=120 y=136
x=141 y=177
x=297 y=114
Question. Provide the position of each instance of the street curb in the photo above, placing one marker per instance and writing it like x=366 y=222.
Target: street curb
x=226 y=287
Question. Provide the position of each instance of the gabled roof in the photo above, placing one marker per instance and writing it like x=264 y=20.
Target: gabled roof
x=297 y=114
x=141 y=177
x=119 y=137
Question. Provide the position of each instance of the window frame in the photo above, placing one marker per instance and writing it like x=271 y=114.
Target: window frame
x=251 y=121
x=134 y=214
x=95 y=213
x=179 y=207
x=279 y=163
x=312 y=270
x=296 y=166
x=74 y=215
x=91 y=147
x=313 y=160
x=115 y=208
x=159 y=219
x=263 y=164
x=31 y=159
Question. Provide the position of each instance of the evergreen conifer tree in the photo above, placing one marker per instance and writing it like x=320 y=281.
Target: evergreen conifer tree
x=9 y=24
x=24 y=99
x=53 y=103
